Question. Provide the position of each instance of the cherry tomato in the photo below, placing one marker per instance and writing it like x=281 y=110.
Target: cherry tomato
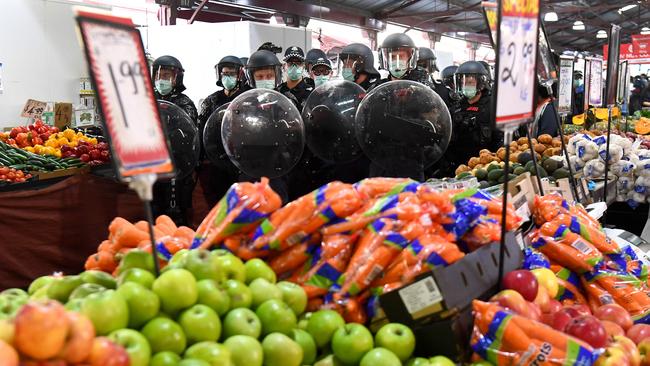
x=11 y=175
x=13 y=170
x=20 y=174
x=4 y=170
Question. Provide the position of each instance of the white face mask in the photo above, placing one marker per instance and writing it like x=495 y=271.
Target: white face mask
x=321 y=79
x=164 y=87
x=265 y=84
x=397 y=68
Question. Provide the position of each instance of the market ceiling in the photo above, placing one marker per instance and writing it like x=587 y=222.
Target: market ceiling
x=459 y=18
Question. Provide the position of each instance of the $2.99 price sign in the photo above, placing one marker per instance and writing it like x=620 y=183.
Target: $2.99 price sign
x=517 y=44
x=120 y=72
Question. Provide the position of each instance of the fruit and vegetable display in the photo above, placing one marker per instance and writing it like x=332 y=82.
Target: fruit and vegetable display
x=19 y=159
x=11 y=175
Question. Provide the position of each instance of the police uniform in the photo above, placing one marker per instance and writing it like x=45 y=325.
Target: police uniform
x=301 y=91
x=181 y=100
x=216 y=100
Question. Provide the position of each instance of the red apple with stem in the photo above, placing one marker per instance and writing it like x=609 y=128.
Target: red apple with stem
x=638 y=332
x=522 y=281
x=589 y=329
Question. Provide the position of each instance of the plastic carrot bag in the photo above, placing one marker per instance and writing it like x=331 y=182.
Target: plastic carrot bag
x=377 y=187
x=534 y=259
x=169 y=245
x=241 y=209
x=569 y=285
x=503 y=338
x=327 y=204
x=625 y=289
x=493 y=205
x=571 y=252
x=241 y=246
x=546 y=208
x=404 y=207
x=485 y=231
x=592 y=234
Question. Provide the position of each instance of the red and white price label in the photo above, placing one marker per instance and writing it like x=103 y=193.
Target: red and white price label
x=517 y=44
x=120 y=73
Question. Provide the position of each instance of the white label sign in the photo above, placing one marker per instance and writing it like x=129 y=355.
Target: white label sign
x=516 y=80
x=596 y=82
x=565 y=90
x=420 y=295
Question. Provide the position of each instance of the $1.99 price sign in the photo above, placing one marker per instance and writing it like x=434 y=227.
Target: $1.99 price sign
x=119 y=69
x=517 y=44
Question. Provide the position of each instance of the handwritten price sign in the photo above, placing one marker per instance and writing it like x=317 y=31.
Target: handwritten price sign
x=596 y=82
x=119 y=70
x=517 y=44
x=565 y=90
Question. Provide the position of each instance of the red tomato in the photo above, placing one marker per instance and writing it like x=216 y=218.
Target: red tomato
x=11 y=175
x=20 y=174
x=4 y=170
x=3 y=177
x=85 y=158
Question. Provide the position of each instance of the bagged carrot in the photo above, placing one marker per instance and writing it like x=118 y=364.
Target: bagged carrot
x=169 y=245
x=578 y=255
x=241 y=246
x=593 y=235
x=569 y=283
x=241 y=209
x=306 y=215
x=377 y=187
x=484 y=232
x=503 y=338
x=534 y=259
x=625 y=289
x=493 y=205
x=546 y=208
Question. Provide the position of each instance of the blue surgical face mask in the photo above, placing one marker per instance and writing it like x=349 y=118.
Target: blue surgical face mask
x=469 y=91
x=265 y=84
x=294 y=72
x=164 y=87
x=397 y=69
x=229 y=82
x=321 y=79
x=347 y=74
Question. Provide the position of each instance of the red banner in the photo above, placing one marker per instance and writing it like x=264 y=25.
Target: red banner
x=628 y=52
x=641 y=43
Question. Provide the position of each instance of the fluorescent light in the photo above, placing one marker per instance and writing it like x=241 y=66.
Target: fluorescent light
x=551 y=16
x=578 y=25
x=461 y=33
x=601 y=34
x=626 y=8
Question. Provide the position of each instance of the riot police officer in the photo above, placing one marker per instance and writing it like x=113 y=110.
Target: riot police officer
x=313 y=55
x=296 y=84
x=446 y=88
x=399 y=55
x=168 y=80
x=320 y=71
x=356 y=64
x=229 y=77
x=427 y=65
x=472 y=120
x=264 y=71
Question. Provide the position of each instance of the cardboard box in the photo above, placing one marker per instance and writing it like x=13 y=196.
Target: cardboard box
x=448 y=337
x=60 y=173
x=522 y=191
x=563 y=187
x=444 y=291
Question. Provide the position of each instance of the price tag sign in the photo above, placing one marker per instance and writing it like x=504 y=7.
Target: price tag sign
x=491 y=15
x=587 y=79
x=565 y=89
x=596 y=82
x=119 y=71
x=623 y=82
x=517 y=38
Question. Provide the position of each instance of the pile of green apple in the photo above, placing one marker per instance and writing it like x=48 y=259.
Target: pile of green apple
x=209 y=308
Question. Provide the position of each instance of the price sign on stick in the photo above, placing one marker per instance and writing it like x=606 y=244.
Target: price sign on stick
x=517 y=40
x=565 y=89
x=119 y=70
x=587 y=83
x=491 y=15
x=596 y=82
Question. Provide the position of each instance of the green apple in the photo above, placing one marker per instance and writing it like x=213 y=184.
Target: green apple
x=40 y=283
x=351 y=342
x=241 y=321
x=322 y=325
x=240 y=295
x=165 y=335
x=418 y=361
x=294 y=296
x=135 y=344
x=229 y=267
x=137 y=275
x=304 y=320
x=244 y=350
x=200 y=323
x=176 y=289
x=329 y=360
x=15 y=293
x=85 y=289
x=193 y=362
x=441 y=361
x=100 y=278
x=179 y=257
x=257 y=268
x=41 y=293
x=107 y=310
x=136 y=258
x=280 y=350
x=380 y=357
x=202 y=264
x=213 y=353
x=61 y=288
x=397 y=338
x=276 y=316
x=165 y=358
x=169 y=267
x=9 y=306
x=262 y=291
x=143 y=303
x=307 y=344
x=74 y=305
x=212 y=295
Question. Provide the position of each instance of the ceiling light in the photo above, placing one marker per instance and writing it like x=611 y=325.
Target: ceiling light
x=551 y=16
x=626 y=8
x=645 y=30
x=578 y=25
x=601 y=34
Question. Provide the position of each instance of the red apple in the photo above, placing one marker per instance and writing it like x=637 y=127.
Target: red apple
x=80 y=339
x=612 y=329
x=644 y=350
x=8 y=355
x=638 y=332
x=629 y=348
x=561 y=319
x=614 y=313
x=522 y=281
x=554 y=306
x=41 y=329
x=512 y=300
x=582 y=309
x=613 y=356
x=589 y=329
x=106 y=353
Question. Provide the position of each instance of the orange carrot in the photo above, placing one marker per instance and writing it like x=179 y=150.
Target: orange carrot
x=165 y=229
x=142 y=225
x=116 y=224
x=129 y=236
x=166 y=220
x=290 y=259
x=184 y=232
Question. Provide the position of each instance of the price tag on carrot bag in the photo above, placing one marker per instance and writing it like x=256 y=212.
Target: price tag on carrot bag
x=517 y=44
x=120 y=73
